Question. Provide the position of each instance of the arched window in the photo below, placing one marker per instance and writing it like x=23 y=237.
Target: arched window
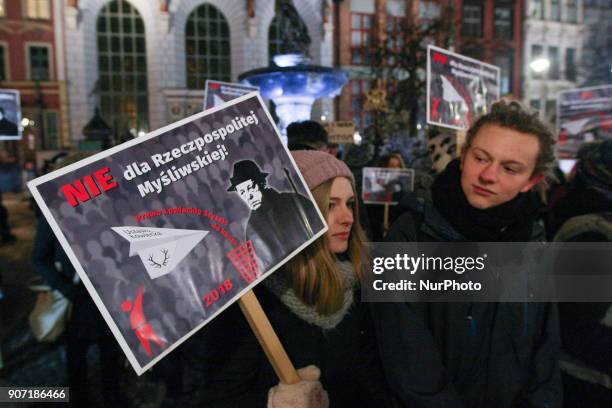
x=287 y=32
x=207 y=47
x=122 y=63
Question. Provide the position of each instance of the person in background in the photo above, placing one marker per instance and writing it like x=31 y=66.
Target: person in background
x=584 y=214
x=477 y=354
x=86 y=326
x=313 y=303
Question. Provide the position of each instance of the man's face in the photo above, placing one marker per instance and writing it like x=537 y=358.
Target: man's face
x=249 y=192
x=498 y=166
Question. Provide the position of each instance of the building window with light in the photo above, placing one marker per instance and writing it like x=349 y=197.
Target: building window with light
x=503 y=21
x=122 y=66
x=395 y=36
x=207 y=47
x=39 y=61
x=555 y=10
x=50 y=139
x=504 y=61
x=537 y=52
x=472 y=19
x=37 y=9
x=2 y=8
x=362 y=37
x=553 y=57
x=361 y=118
x=570 y=64
x=537 y=9
x=572 y=11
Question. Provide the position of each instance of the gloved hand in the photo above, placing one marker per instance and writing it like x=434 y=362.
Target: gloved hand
x=308 y=393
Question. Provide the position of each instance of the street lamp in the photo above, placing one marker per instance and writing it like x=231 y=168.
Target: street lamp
x=540 y=66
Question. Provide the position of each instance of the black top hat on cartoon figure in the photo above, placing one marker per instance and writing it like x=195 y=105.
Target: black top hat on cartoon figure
x=246 y=170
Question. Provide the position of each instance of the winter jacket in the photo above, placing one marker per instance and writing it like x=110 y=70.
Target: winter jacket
x=238 y=373
x=466 y=354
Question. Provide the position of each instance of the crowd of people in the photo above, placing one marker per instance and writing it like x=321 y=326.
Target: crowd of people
x=353 y=354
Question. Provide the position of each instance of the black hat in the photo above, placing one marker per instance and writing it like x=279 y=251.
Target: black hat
x=246 y=170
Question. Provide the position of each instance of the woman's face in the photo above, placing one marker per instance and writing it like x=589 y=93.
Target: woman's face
x=498 y=166
x=394 y=163
x=340 y=214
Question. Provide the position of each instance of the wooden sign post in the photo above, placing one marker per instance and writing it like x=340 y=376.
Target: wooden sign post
x=268 y=339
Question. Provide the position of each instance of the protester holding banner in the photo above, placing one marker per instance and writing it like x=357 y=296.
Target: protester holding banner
x=477 y=354
x=313 y=305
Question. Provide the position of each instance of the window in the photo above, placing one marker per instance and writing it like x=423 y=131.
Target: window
x=361 y=118
x=570 y=64
x=475 y=53
x=537 y=9
x=39 y=63
x=51 y=130
x=537 y=51
x=503 y=22
x=207 y=47
x=504 y=62
x=535 y=104
x=3 y=73
x=2 y=8
x=555 y=10
x=362 y=36
x=286 y=21
x=472 y=20
x=572 y=11
x=123 y=68
x=428 y=13
x=395 y=34
x=553 y=56
x=37 y=9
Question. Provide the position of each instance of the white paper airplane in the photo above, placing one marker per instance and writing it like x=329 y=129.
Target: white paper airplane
x=576 y=126
x=160 y=249
x=218 y=101
x=449 y=93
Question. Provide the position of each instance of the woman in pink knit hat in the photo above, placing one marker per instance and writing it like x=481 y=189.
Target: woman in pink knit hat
x=313 y=304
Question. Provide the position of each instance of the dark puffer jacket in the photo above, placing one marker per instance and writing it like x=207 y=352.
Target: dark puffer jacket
x=466 y=354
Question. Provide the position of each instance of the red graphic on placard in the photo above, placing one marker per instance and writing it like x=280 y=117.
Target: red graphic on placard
x=213 y=85
x=441 y=58
x=245 y=260
x=435 y=104
x=143 y=330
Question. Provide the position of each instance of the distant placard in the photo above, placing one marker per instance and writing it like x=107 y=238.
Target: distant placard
x=459 y=88
x=584 y=115
x=216 y=93
x=382 y=185
x=340 y=132
x=10 y=114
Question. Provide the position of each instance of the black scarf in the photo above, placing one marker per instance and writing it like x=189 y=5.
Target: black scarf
x=507 y=222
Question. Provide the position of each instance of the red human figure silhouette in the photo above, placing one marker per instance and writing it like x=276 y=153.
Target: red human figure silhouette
x=143 y=330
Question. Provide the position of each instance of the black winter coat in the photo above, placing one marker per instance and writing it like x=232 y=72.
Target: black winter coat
x=238 y=374
x=466 y=354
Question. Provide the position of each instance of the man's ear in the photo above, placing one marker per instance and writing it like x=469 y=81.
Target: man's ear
x=532 y=182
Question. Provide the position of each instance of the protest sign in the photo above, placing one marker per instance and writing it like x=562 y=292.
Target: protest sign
x=167 y=230
x=340 y=132
x=216 y=93
x=10 y=114
x=382 y=185
x=459 y=88
x=584 y=115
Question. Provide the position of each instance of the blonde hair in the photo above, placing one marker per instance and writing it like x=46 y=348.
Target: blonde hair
x=316 y=278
